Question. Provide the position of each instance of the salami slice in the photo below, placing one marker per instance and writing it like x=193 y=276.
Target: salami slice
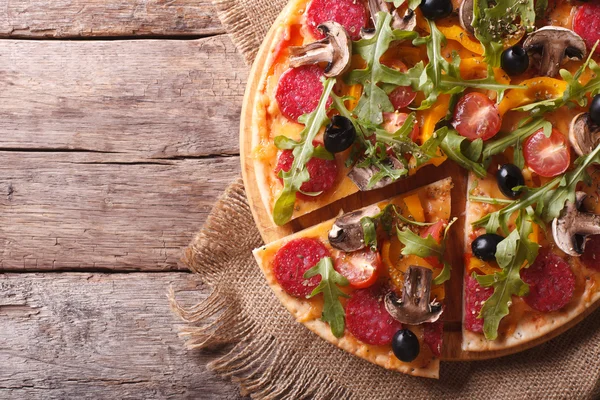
x=433 y=336
x=591 y=256
x=475 y=295
x=368 y=320
x=299 y=90
x=323 y=173
x=551 y=283
x=587 y=23
x=351 y=14
x=293 y=260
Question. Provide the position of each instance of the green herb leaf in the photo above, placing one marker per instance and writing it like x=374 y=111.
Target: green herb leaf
x=498 y=146
x=333 y=311
x=496 y=21
x=369 y=232
x=374 y=100
x=418 y=246
x=568 y=186
x=303 y=151
x=461 y=150
x=444 y=275
x=514 y=252
x=549 y=199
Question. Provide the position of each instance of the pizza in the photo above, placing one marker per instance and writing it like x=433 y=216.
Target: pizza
x=381 y=298
x=355 y=96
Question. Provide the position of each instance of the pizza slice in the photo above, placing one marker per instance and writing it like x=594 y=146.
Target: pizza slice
x=529 y=251
x=372 y=281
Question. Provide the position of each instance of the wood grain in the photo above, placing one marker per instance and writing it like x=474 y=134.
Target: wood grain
x=152 y=98
x=100 y=18
x=90 y=211
x=98 y=336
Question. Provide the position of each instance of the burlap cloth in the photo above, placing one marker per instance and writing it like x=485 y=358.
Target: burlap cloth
x=271 y=356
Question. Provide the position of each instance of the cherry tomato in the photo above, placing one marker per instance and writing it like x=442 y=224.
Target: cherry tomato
x=436 y=231
x=361 y=268
x=547 y=156
x=477 y=117
x=402 y=96
x=394 y=121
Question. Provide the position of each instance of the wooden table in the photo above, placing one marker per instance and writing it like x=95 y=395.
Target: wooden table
x=113 y=148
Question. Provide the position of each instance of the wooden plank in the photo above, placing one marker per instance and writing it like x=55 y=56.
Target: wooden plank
x=99 y=336
x=84 y=211
x=153 y=98
x=99 y=18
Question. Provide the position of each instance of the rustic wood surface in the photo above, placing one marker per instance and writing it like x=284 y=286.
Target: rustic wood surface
x=112 y=154
x=100 y=18
x=99 y=336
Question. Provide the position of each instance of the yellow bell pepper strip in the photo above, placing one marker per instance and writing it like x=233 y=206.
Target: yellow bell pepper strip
x=451 y=28
x=476 y=68
x=536 y=89
x=432 y=116
x=415 y=208
x=354 y=91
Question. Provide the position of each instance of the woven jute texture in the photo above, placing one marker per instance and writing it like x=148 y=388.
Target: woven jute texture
x=271 y=356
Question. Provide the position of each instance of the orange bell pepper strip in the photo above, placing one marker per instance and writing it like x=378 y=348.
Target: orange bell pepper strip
x=537 y=89
x=415 y=208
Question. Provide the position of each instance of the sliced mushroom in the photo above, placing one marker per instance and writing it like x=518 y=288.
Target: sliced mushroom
x=553 y=44
x=406 y=22
x=465 y=16
x=347 y=233
x=335 y=49
x=572 y=227
x=584 y=135
x=361 y=176
x=414 y=308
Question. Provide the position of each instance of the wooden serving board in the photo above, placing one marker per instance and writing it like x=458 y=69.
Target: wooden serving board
x=452 y=350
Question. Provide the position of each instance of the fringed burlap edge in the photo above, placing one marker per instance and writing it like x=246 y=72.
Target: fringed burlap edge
x=239 y=27
x=264 y=367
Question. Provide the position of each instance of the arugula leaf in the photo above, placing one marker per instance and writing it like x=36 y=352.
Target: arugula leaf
x=499 y=219
x=438 y=77
x=419 y=246
x=568 y=186
x=374 y=100
x=333 y=311
x=460 y=150
x=426 y=247
x=575 y=91
x=496 y=21
x=303 y=151
x=549 y=199
x=443 y=276
x=369 y=232
x=513 y=253
x=514 y=138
